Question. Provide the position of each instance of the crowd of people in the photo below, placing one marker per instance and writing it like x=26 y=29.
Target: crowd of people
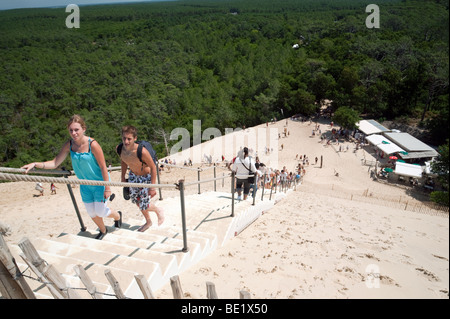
x=252 y=174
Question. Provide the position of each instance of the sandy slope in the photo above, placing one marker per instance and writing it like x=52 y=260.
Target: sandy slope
x=310 y=245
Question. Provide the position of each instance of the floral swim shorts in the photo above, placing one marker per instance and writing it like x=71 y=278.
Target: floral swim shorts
x=138 y=195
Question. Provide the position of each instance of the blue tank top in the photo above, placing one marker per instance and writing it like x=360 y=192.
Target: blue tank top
x=86 y=166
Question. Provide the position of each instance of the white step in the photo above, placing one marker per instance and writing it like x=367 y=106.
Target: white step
x=167 y=263
x=65 y=265
x=42 y=292
x=150 y=269
x=170 y=246
x=156 y=253
x=207 y=242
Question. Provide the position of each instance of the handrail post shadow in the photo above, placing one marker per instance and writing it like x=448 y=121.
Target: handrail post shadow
x=159 y=181
x=183 y=215
x=232 y=192
x=69 y=187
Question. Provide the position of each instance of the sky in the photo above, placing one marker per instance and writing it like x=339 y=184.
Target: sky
x=16 y=4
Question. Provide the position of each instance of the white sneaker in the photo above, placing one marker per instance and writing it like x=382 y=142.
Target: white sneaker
x=239 y=197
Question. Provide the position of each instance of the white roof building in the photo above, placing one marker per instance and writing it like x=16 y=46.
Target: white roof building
x=394 y=141
x=384 y=144
x=413 y=147
x=369 y=127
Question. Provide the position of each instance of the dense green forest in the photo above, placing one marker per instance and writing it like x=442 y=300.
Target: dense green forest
x=230 y=63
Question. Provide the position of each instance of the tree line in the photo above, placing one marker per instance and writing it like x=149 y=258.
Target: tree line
x=159 y=66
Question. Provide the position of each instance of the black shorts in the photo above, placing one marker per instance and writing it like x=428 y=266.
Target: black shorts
x=240 y=182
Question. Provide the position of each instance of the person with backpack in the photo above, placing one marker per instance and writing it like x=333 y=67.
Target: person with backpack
x=88 y=162
x=140 y=158
x=244 y=166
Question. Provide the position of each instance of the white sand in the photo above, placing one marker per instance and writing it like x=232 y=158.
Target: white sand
x=310 y=245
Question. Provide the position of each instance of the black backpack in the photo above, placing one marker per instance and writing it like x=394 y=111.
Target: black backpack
x=141 y=144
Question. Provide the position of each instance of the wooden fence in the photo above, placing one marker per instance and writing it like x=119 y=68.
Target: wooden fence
x=368 y=196
x=14 y=286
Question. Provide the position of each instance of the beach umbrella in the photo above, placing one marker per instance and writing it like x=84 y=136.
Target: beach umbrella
x=393 y=157
x=389 y=170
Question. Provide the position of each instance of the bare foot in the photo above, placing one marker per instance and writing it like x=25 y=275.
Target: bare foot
x=145 y=226
x=160 y=214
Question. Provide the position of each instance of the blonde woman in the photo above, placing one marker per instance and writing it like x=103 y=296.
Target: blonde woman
x=88 y=162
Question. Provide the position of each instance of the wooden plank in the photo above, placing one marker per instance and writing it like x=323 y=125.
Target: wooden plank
x=176 y=287
x=56 y=294
x=58 y=280
x=10 y=266
x=9 y=287
x=32 y=254
x=211 y=290
x=87 y=282
x=144 y=286
x=244 y=294
x=114 y=284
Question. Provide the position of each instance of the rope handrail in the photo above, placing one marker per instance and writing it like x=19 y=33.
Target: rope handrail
x=207 y=180
x=182 y=167
x=62 y=180
x=47 y=171
x=36 y=171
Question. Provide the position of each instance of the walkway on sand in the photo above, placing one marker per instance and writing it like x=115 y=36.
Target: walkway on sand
x=157 y=253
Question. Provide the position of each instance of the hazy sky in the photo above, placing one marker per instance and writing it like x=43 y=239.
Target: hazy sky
x=15 y=4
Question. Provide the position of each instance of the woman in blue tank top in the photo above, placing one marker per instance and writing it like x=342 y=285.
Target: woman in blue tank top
x=88 y=162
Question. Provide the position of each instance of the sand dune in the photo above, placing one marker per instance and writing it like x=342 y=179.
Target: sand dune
x=310 y=245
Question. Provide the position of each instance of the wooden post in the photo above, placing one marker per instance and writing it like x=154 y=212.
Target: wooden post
x=244 y=294
x=144 y=286
x=176 y=287
x=55 y=293
x=114 y=284
x=215 y=182
x=58 y=280
x=233 y=180
x=264 y=184
x=12 y=283
x=87 y=282
x=32 y=254
x=159 y=180
x=198 y=175
x=211 y=291
x=9 y=287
